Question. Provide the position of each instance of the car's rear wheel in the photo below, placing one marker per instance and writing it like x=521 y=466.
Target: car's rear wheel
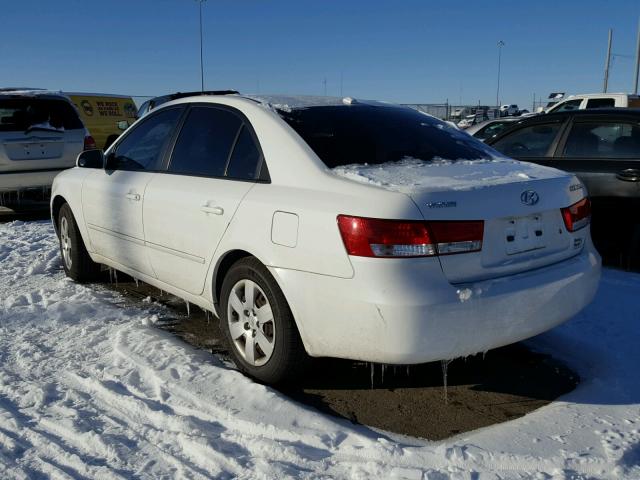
x=75 y=259
x=258 y=324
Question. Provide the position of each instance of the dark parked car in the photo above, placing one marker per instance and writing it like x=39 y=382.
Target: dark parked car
x=602 y=147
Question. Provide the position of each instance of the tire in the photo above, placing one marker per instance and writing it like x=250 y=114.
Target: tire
x=261 y=332
x=75 y=259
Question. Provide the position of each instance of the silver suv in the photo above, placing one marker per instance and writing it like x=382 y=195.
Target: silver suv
x=40 y=135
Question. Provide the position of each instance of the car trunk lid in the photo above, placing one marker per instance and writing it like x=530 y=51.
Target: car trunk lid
x=519 y=203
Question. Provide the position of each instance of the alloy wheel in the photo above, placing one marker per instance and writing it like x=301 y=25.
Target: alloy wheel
x=251 y=322
x=65 y=242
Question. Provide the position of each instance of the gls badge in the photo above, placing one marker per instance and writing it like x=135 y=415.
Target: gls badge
x=529 y=197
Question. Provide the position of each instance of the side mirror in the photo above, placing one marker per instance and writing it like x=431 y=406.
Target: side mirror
x=122 y=125
x=91 y=159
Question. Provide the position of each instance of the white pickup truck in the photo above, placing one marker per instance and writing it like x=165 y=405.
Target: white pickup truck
x=595 y=100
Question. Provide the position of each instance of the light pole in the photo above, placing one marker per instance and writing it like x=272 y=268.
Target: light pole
x=500 y=45
x=200 y=2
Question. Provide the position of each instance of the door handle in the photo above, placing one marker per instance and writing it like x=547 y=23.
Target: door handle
x=133 y=196
x=215 y=210
x=629 y=175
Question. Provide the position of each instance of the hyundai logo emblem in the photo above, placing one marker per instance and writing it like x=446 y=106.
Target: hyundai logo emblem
x=529 y=197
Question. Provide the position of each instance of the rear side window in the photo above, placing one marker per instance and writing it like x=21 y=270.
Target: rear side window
x=245 y=159
x=24 y=114
x=359 y=134
x=567 y=106
x=143 y=146
x=604 y=140
x=601 y=103
x=205 y=142
x=532 y=141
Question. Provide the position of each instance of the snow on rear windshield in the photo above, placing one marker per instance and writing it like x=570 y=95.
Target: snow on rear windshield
x=367 y=134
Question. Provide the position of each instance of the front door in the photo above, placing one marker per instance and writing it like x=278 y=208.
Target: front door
x=113 y=198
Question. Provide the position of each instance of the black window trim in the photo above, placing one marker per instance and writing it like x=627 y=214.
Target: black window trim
x=262 y=171
x=146 y=118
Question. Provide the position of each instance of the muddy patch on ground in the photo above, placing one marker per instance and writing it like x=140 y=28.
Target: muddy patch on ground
x=482 y=390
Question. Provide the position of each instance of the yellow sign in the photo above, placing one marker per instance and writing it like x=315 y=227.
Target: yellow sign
x=103 y=115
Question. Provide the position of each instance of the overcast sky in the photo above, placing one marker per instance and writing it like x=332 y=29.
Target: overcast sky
x=405 y=51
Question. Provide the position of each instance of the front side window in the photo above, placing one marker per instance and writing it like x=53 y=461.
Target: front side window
x=205 y=142
x=604 y=140
x=359 y=134
x=491 y=130
x=143 y=146
x=532 y=141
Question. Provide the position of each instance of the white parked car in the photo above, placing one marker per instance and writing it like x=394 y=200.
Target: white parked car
x=509 y=110
x=331 y=227
x=40 y=135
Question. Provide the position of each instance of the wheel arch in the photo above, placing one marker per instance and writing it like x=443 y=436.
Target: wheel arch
x=56 y=204
x=222 y=267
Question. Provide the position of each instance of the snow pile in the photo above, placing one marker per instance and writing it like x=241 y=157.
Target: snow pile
x=89 y=388
x=411 y=175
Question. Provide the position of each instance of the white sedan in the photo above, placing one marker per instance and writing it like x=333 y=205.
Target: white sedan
x=331 y=227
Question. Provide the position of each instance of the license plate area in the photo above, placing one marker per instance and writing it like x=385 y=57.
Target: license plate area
x=524 y=234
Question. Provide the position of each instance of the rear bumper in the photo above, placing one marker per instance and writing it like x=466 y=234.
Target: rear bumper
x=17 y=181
x=405 y=312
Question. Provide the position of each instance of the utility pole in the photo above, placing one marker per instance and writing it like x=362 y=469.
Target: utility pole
x=500 y=45
x=607 y=62
x=200 y=2
x=637 y=71
x=533 y=106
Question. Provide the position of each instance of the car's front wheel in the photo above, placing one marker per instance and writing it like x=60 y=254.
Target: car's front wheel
x=258 y=324
x=75 y=259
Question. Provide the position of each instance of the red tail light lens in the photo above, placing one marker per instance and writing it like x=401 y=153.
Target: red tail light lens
x=89 y=143
x=372 y=237
x=578 y=215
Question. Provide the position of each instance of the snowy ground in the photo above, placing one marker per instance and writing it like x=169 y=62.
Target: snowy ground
x=89 y=388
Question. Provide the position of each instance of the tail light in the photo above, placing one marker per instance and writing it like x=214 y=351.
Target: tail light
x=373 y=237
x=578 y=215
x=89 y=143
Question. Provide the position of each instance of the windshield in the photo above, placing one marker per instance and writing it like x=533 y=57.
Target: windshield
x=366 y=134
x=22 y=114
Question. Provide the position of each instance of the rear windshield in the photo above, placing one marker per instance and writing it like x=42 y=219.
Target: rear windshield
x=22 y=114
x=359 y=134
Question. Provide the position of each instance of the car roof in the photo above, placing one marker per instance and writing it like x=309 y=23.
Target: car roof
x=599 y=95
x=590 y=112
x=279 y=101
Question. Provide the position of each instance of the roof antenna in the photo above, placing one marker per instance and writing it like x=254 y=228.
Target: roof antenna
x=201 y=62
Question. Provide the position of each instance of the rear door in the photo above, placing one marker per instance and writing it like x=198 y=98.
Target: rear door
x=214 y=164
x=604 y=151
x=38 y=133
x=113 y=198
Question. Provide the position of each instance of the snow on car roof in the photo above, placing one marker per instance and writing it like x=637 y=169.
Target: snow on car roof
x=32 y=93
x=293 y=102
